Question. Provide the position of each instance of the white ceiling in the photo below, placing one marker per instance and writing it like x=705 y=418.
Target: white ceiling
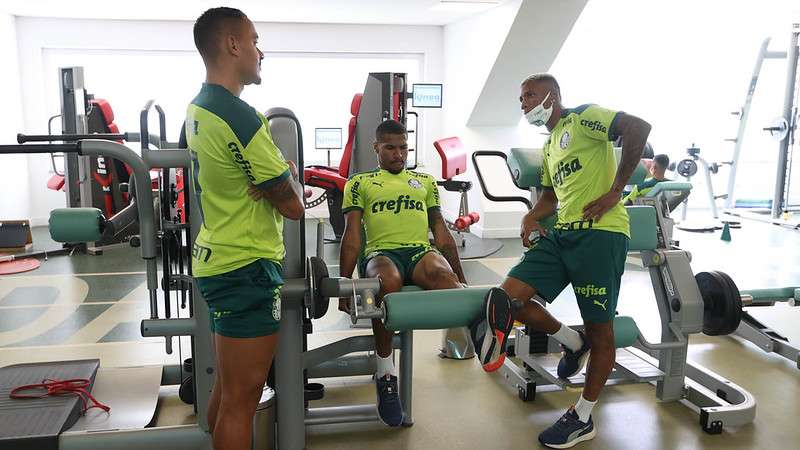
x=405 y=12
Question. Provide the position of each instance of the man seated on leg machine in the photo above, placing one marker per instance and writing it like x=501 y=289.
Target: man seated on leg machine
x=657 y=174
x=397 y=207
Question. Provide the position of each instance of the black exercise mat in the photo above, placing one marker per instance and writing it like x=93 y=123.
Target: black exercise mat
x=36 y=423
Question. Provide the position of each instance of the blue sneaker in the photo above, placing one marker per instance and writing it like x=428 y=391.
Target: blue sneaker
x=390 y=410
x=492 y=352
x=572 y=362
x=568 y=431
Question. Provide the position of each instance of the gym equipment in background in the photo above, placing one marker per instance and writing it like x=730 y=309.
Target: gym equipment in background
x=305 y=297
x=687 y=168
x=780 y=209
x=685 y=305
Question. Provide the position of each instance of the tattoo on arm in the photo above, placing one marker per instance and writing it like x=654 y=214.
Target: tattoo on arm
x=634 y=132
x=282 y=191
x=286 y=196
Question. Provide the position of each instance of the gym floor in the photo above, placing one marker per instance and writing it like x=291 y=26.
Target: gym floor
x=90 y=306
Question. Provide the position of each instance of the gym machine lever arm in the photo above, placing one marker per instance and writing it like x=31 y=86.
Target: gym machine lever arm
x=482 y=182
x=41 y=148
x=23 y=138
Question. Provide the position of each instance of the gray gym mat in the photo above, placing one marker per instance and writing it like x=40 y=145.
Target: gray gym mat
x=30 y=296
x=111 y=288
x=63 y=331
x=123 y=332
x=14 y=318
x=36 y=423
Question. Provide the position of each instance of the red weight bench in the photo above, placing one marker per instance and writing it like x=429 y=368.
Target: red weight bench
x=333 y=179
x=454 y=162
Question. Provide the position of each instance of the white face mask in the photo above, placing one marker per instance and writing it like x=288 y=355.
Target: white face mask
x=539 y=115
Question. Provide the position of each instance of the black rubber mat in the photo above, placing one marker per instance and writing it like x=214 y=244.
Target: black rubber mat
x=36 y=424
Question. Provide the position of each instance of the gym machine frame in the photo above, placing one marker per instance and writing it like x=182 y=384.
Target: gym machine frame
x=681 y=306
x=783 y=128
x=307 y=288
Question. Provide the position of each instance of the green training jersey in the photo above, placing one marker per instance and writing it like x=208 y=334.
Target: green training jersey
x=231 y=148
x=395 y=207
x=579 y=165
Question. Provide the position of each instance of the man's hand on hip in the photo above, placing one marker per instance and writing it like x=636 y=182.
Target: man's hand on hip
x=529 y=226
x=596 y=209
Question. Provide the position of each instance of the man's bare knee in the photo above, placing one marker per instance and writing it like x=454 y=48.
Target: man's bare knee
x=517 y=289
x=445 y=277
x=390 y=284
x=244 y=388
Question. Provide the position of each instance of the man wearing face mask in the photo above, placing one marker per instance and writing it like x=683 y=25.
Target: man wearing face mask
x=588 y=245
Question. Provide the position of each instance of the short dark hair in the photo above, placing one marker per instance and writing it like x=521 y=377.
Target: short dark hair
x=210 y=25
x=390 y=127
x=539 y=77
x=662 y=161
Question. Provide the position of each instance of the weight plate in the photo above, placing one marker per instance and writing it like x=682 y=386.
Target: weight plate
x=778 y=128
x=317 y=271
x=722 y=302
x=686 y=168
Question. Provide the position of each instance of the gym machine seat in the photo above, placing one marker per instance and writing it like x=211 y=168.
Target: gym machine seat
x=334 y=178
x=454 y=162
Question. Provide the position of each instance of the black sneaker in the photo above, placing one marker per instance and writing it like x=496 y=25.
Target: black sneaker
x=572 y=362
x=390 y=410
x=568 y=431
x=492 y=352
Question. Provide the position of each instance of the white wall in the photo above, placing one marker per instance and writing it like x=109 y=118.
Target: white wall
x=484 y=62
x=682 y=65
x=13 y=168
x=45 y=43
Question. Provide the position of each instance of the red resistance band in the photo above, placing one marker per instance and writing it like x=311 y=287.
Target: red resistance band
x=75 y=386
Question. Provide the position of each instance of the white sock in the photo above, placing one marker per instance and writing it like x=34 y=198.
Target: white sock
x=569 y=337
x=584 y=409
x=384 y=365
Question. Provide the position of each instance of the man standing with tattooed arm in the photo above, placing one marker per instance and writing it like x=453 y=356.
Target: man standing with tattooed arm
x=587 y=247
x=397 y=207
x=239 y=250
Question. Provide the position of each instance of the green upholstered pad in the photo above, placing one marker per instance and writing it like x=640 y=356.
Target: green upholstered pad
x=625 y=331
x=643 y=228
x=433 y=310
x=76 y=224
x=526 y=166
x=774 y=294
x=669 y=186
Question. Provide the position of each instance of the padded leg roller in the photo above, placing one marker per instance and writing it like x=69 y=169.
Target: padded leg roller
x=433 y=310
x=625 y=331
x=73 y=225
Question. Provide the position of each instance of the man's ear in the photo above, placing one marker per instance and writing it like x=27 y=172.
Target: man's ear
x=232 y=45
x=375 y=146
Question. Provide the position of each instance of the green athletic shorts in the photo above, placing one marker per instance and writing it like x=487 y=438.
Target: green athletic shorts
x=405 y=258
x=245 y=302
x=592 y=260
